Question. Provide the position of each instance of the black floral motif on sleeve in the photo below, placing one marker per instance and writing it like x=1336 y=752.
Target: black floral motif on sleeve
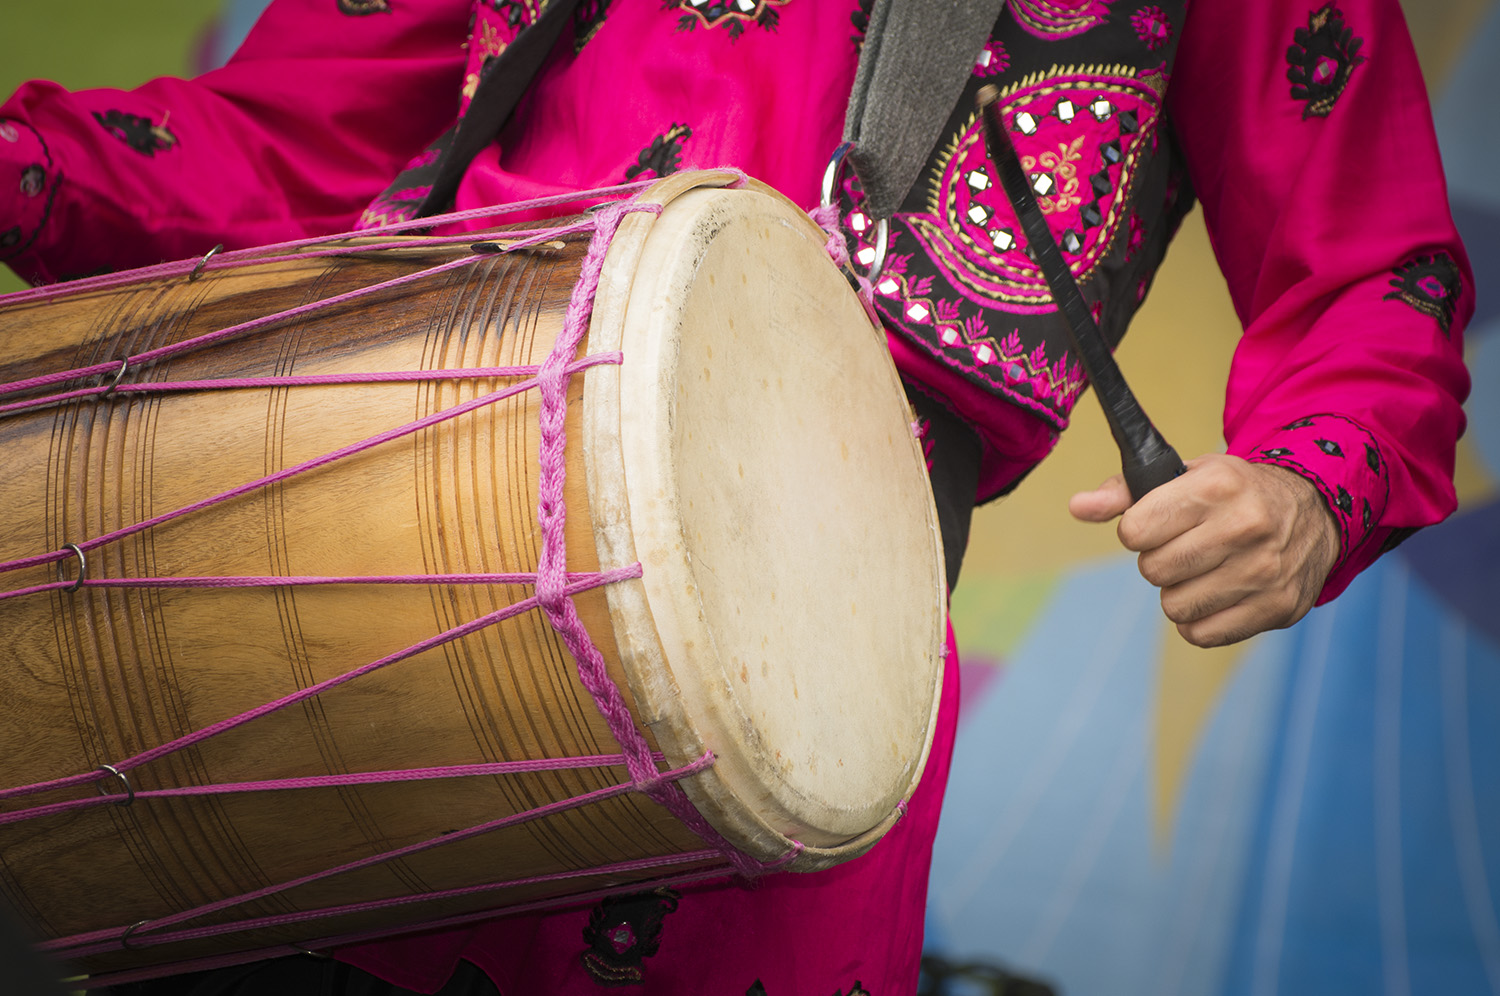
x=28 y=186
x=1321 y=59
x=140 y=133
x=1319 y=448
x=664 y=155
x=622 y=932
x=1431 y=284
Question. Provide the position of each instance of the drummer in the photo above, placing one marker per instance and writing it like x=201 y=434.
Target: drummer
x=1301 y=127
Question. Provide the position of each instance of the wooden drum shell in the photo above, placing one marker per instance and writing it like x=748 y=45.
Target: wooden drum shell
x=103 y=673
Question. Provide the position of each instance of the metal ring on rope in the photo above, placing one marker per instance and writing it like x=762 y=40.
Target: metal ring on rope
x=873 y=255
x=198 y=270
x=83 y=567
x=114 y=383
x=129 y=795
x=125 y=937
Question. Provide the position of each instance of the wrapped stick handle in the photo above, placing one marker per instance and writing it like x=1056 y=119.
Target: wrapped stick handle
x=1147 y=459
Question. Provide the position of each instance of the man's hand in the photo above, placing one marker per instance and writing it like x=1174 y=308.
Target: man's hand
x=1235 y=547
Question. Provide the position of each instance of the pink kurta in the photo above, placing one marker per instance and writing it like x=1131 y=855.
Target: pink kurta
x=1304 y=130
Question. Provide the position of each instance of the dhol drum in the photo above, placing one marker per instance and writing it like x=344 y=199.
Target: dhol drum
x=365 y=585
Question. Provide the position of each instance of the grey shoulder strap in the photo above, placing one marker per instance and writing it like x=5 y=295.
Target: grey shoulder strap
x=917 y=56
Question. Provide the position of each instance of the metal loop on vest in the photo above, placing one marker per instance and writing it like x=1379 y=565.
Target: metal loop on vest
x=198 y=270
x=831 y=177
x=83 y=567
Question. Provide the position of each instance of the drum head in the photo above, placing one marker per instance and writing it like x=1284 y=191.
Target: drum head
x=755 y=453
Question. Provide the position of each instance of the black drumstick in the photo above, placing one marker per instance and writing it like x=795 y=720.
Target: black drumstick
x=1148 y=460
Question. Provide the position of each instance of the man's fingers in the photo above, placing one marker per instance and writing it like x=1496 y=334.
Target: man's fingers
x=1231 y=625
x=1101 y=504
x=1172 y=509
x=1237 y=548
x=1182 y=559
x=1255 y=614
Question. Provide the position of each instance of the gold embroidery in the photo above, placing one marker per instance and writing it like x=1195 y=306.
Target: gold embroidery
x=1057 y=18
x=490 y=42
x=1062 y=164
x=1105 y=72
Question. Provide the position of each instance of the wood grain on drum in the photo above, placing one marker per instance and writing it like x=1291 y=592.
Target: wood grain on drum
x=749 y=467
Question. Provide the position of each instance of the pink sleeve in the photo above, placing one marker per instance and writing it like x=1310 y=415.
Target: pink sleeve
x=313 y=116
x=1310 y=143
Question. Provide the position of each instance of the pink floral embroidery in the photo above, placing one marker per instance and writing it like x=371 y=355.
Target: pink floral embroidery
x=992 y=61
x=1152 y=26
x=1078 y=134
x=1137 y=236
x=424 y=158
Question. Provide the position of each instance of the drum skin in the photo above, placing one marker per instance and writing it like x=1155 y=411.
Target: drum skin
x=808 y=667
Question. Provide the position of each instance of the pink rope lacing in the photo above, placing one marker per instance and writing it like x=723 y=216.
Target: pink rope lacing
x=236 y=257
x=317 y=781
x=315 y=946
x=110 y=939
x=552 y=513
x=289 y=472
x=291 y=380
x=555 y=586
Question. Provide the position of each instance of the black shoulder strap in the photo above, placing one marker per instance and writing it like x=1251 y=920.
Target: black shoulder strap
x=917 y=56
x=502 y=83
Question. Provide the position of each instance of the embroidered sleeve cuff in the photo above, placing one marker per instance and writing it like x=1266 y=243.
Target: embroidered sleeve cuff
x=28 y=186
x=1343 y=460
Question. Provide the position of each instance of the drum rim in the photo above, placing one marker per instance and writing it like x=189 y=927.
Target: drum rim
x=641 y=648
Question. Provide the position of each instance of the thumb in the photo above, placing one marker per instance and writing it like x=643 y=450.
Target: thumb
x=1105 y=502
